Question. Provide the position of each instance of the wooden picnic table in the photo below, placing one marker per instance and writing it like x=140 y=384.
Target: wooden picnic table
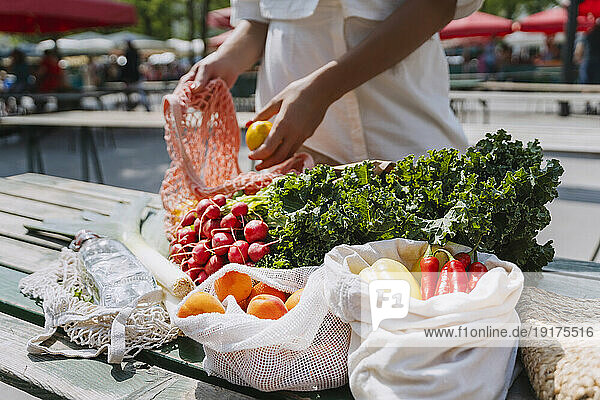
x=175 y=371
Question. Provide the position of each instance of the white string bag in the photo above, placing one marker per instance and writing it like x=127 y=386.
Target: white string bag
x=123 y=332
x=304 y=350
x=398 y=360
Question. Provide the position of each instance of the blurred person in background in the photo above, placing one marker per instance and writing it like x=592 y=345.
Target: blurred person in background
x=49 y=75
x=589 y=72
x=20 y=69
x=130 y=74
x=345 y=80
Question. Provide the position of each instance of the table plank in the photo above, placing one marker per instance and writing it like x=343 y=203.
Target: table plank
x=107 y=192
x=55 y=196
x=23 y=256
x=58 y=377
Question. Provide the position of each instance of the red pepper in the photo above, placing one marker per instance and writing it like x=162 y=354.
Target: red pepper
x=465 y=258
x=430 y=267
x=453 y=277
x=476 y=271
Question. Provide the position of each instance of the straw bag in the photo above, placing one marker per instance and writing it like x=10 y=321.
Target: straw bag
x=122 y=332
x=565 y=368
x=306 y=349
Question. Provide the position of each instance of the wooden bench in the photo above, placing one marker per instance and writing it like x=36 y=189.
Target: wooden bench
x=174 y=371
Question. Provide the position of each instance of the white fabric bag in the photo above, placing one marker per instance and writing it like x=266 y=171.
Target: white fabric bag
x=306 y=349
x=397 y=360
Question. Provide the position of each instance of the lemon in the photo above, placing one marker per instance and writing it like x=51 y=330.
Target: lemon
x=257 y=133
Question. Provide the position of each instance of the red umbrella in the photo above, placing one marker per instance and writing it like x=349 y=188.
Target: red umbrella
x=590 y=7
x=51 y=16
x=552 y=21
x=477 y=24
x=219 y=18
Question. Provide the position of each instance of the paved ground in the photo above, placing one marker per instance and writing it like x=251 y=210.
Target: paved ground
x=139 y=158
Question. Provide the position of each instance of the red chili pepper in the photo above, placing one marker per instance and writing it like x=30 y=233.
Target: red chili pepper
x=476 y=271
x=453 y=277
x=430 y=267
x=465 y=258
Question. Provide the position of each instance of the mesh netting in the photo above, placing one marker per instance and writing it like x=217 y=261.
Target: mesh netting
x=203 y=141
x=306 y=349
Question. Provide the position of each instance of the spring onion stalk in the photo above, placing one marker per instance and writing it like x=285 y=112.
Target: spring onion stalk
x=168 y=275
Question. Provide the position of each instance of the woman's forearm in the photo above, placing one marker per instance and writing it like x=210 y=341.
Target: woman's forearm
x=407 y=28
x=245 y=45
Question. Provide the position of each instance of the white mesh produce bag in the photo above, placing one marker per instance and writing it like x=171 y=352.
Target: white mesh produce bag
x=397 y=360
x=306 y=349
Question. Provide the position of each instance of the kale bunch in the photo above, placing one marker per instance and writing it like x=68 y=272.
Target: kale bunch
x=492 y=197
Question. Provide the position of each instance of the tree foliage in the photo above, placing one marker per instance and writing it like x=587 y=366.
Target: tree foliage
x=514 y=8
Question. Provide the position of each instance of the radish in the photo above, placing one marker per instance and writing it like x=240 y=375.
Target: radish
x=185 y=265
x=214 y=264
x=189 y=218
x=238 y=252
x=219 y=200
x=194 y=273
x=176 y=248
x=258 y=250
x=197 y=225
x=202 y=275
x=209 y=226
x=202 y=205
x=212 y=212
x=220 y=242
x=201 y=252
x=230 y=221
x=255 y=231
x=239 y=209
x=186 y=236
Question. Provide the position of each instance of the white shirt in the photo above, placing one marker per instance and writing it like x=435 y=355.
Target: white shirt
x=404 y=110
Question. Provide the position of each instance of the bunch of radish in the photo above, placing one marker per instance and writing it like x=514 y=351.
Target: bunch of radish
x=205 y=239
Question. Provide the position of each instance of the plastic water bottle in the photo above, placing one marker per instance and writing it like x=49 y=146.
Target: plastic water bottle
x=113 y=275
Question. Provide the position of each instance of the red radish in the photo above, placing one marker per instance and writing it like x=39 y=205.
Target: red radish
x=186 y=236
x=201 y=252
x=220 y=242
x=230 y=221
x=197 y=225
x=202 y=205
x=214 y=264
x=193 y=263
x=185 y=265
x=189 y=218
x=212 y=212
x=258 y=250
x=239 y=209
x=176 y=248
x=255 y=231
x=202 y=275
x=219 y=200
x=194 y=272
x=238 y=252
x=209 y=226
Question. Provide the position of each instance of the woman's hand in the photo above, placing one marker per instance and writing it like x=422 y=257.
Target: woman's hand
x=209 y=68
x=300 y=108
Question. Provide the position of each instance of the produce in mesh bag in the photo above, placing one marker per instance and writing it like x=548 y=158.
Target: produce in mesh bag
x=304 y=349
x=203 y=141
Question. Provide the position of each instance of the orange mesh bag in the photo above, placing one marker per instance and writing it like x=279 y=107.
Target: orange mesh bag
x=203 y=141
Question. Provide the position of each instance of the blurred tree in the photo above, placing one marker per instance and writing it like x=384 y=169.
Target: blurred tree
x=513 y=8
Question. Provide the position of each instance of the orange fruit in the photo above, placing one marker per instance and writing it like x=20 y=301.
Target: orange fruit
x=266 y=306
x=257 y=133
x=233 y=283
x=293 y=300
x=263 y=288
x=244 y=303
x=200 y=303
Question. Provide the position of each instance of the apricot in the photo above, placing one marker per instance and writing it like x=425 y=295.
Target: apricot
x=266 y=306
x=200 y=303
x=293 y=300
x=244 y=303
x=263 y=288
x=233 y=283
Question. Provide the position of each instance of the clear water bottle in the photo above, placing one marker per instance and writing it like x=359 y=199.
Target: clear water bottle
x=113 y=275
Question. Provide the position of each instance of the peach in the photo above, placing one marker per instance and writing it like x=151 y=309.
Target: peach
x=266 y=306
x=293 y=300
x=200 y=303
x=263 y=288
x=233 y=283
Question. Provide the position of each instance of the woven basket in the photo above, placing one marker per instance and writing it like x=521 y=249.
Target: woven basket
x=563 y=368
